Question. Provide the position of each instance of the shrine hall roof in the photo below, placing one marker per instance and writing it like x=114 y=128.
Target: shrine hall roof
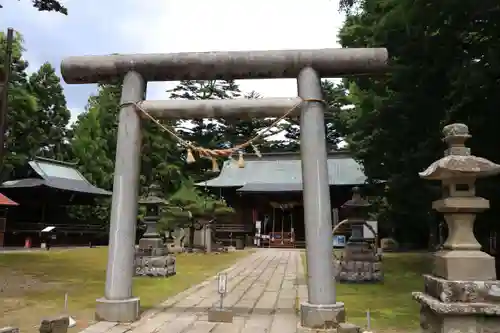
x=57 y=175
x=283 y=172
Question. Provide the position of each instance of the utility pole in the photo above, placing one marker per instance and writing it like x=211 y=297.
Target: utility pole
x=4 y=90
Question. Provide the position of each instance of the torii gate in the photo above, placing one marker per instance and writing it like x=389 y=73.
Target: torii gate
x=307 y=66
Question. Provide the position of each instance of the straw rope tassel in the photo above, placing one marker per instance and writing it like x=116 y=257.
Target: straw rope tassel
x=205 y=152
x=189 y=157
x=241 y=161
x=215 y=165
x=256 y=150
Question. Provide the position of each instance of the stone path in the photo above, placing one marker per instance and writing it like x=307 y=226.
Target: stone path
x=264 y=289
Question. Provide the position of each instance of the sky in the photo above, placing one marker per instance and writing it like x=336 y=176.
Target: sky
x=98 y=27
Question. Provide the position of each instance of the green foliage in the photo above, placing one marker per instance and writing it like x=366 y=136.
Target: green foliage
x=53 y=113
x=215 y=133
x=37 y=115
x=48 y=6
x=336 y=118
x=190 y=205
x=444 y=67
x=94 y=136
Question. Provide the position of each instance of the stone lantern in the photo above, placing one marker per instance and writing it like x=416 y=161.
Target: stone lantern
x=152 y=258
x=356 y=211
x=360 y=262
x=462 y=294
x=151 y=240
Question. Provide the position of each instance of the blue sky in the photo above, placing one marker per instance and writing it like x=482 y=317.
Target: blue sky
x=162 y=26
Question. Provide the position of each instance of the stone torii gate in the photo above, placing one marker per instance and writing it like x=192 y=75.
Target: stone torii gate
x=307 y=66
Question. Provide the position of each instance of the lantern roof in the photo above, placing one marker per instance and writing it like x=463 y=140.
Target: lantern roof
x=356 y=201
x=458 y=161
x=153 y=197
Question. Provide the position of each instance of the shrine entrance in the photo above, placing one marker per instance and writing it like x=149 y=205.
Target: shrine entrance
x=307 y=66
x=282 y=229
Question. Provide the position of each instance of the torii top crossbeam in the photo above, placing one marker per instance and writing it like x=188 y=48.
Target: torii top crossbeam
x=225 y=65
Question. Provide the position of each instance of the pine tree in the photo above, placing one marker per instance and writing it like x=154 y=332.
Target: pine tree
x=217 y=133
x=337 y=119
x=23 y=137
x=53 y=113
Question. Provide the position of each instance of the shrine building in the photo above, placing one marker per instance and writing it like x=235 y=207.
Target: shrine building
x=42 y=192
x=269 y=189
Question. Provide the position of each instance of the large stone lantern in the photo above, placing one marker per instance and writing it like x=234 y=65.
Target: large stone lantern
x=462 y=294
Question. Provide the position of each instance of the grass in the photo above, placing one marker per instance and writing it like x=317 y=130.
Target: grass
x=390 y=303
x=32 y=285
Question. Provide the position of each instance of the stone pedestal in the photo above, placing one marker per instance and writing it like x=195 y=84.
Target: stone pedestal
x=151 y=244
x=154 y=262
x=359 y=271
x=359 y=251
x=359 y=264
x=459 y=306
x=462 y=294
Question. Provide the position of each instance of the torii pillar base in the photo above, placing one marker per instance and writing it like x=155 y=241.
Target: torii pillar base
x=322 y=316
x=121 y=311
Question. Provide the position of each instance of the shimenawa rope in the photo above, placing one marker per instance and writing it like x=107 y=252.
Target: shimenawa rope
x=214 y=153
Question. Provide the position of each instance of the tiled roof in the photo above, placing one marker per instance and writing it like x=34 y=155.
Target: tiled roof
x=56 y=175
x=285 y=170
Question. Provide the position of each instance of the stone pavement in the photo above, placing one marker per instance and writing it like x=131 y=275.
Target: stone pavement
x=263 y=291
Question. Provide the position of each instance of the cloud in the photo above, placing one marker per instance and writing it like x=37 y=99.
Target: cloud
x=161 y=26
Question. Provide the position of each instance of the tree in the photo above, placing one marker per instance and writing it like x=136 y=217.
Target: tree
x=52 y=110
x=23 y=136
x=48 y=6
x=221 y=132
x=204 y=132
x=336 y=119
x=191 y=208
x=94 y=146
x=443 y=59
x=94 y=136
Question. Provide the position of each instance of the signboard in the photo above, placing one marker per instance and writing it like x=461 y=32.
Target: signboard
x=338 y=241
x=222 y=283
x=367 y=233
x=48 y=229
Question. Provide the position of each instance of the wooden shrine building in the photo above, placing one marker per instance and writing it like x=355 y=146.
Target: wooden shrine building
x=269 y=190
x=44 y=190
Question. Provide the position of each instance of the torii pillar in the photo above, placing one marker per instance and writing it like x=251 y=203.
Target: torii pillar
x=308 y=66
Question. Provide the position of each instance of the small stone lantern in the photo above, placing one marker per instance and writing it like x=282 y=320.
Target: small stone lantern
x=356 y=210
x=359 y=262
x=151 y=241
x=462 y=294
